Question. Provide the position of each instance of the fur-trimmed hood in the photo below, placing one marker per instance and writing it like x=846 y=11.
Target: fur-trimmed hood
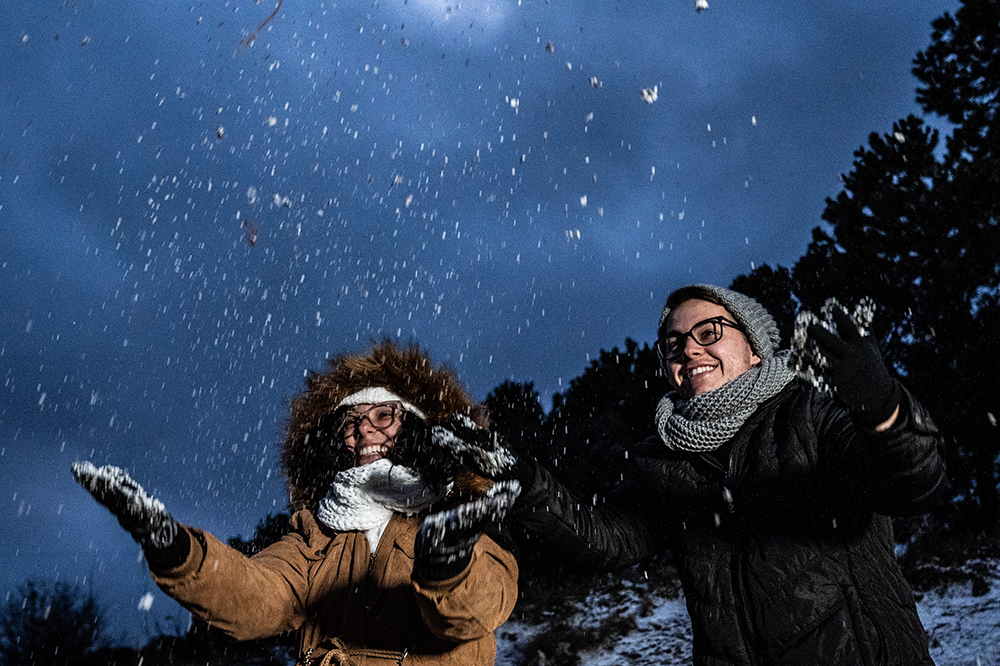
x=310 y=454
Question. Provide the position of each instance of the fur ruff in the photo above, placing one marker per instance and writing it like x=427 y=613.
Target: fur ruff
x=310 y=456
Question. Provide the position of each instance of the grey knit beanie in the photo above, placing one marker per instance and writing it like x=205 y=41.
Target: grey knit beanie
x=758 y=324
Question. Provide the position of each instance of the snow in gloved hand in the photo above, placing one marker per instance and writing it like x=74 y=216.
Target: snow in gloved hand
x=470 y=518
x=144 y=516
x=449 y=535
x=806 y=359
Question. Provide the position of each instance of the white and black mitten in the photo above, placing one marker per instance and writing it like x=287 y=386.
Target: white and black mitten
x=480 y=450
x=445 y=541
x=142 y=515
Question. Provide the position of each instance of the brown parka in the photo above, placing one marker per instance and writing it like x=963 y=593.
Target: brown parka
x=351 y=606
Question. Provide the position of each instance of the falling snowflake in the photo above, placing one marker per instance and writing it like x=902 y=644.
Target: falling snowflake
x=595 y=82
x=701 y=5
x=650 y=94
x=146 y=602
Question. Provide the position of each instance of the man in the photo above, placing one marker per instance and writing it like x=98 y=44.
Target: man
x=365 y=576
x=771 y=496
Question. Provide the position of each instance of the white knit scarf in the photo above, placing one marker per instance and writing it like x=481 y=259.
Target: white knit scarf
x=707 y=421
x=364 y=498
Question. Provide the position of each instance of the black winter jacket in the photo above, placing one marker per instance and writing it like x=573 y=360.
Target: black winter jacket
x=781 y=539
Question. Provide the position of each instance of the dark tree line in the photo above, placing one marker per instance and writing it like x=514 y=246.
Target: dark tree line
x=50 y=623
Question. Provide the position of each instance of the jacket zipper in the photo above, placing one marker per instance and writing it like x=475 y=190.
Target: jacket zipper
x=736 y=565
x=727 y=481
x=741 y=606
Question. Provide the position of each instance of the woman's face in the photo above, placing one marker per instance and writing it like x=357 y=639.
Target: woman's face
x=699 y=368
x=369 y=430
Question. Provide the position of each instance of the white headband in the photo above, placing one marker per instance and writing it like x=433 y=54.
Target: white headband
x=375 y=394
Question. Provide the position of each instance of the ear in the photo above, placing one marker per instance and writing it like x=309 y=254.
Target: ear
x=754 y=360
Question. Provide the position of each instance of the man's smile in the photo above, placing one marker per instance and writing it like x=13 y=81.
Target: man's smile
x=701 y=369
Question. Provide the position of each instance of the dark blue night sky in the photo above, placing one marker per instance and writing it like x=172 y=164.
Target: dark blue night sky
x=187 y=227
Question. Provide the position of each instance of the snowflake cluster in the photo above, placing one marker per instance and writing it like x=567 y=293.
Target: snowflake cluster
x=807 y=360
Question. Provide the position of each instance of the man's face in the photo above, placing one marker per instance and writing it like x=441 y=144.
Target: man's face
x=700 y=369
x=370 y=430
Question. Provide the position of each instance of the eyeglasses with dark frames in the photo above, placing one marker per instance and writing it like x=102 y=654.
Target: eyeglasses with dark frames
x=380 y=415
x=705 y=333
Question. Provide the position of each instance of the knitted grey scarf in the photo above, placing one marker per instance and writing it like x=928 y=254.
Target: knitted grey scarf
x=707 y=421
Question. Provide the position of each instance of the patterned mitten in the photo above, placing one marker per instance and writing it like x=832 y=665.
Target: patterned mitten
x=446 y=539
x=143 y=516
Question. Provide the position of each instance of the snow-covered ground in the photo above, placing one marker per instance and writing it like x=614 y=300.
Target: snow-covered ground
x=964 y=629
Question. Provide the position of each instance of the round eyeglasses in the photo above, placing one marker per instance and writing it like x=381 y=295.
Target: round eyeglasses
x=380 y=415
x=706 y=332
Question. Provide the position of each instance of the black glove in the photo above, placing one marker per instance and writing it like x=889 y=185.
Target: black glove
x=445 y=541
x=143 y=516
x=481 y=451
x=854 y=369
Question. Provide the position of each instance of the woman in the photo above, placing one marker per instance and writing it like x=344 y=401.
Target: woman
x=357 y=577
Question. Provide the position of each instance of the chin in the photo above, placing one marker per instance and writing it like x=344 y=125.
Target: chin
x=705 y=388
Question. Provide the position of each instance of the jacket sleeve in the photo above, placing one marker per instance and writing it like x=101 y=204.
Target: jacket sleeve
x=899 y=471
x=474 y=603
x=246 y=597
x=594 y=536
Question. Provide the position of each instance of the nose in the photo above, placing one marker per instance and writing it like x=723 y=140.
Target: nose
x=691 y=347
x=365 y=427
